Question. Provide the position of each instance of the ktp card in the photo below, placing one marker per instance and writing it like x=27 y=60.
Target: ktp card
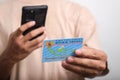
x=60 y=49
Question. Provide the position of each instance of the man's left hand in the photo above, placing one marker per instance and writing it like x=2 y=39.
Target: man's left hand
x=88 y=62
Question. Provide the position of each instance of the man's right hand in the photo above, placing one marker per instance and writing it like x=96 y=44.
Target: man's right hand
x=20 y=46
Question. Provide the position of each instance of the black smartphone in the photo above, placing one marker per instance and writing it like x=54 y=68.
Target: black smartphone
x=34 y=13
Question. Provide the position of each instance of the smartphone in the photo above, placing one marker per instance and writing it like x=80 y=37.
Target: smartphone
x=34 y=13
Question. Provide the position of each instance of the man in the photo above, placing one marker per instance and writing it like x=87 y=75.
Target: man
x=20 y=59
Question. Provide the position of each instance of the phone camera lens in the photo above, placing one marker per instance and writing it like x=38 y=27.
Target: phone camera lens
x=32 y=11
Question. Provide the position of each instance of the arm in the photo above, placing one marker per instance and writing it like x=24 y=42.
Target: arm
x=6 y=66
x=19 y=47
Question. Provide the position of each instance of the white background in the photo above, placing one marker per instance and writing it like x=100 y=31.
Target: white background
x=107 y=14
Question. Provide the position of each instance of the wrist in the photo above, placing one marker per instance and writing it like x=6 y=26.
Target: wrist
x=6 y=65
x=6 y=57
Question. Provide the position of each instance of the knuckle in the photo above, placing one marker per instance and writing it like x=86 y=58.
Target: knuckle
x=39 y=45
x=95 y=73
x=40 y=30
x=90 y=62
x=20 y=29
x=38 y=40
x=79 y=62
x=102 y=67
x=103 y=56
x=31 y=34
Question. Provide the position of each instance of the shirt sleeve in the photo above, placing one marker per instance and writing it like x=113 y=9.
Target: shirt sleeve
x=86 y=28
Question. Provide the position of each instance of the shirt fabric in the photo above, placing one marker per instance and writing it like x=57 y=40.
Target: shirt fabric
x=65 y=19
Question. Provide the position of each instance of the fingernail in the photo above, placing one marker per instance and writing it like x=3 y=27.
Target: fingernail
x=32 y=22
x=70 y=59
x=78 y=52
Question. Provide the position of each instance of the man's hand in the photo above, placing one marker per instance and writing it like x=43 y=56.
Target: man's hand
x=88 y=62
x=20 y=46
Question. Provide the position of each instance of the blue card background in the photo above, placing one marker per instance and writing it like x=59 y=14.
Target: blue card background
x=57 y=50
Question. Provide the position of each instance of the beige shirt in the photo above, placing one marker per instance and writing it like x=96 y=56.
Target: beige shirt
x=65 y=19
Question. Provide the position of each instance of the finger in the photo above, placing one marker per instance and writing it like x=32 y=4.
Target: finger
x=31 y=47
x=37 y=41
x=36 y=47
x=27 y=49
x=34 y=33
x=86 y=72
x=86 y=52
x=26 y=26
x=89 y=63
